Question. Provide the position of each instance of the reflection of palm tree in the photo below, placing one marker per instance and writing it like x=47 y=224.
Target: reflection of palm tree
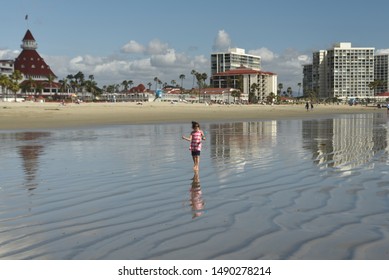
x=196 y=200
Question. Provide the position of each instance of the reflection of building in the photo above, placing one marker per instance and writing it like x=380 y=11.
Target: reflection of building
x=30 y=154
x=233 y=141
x=344 y=143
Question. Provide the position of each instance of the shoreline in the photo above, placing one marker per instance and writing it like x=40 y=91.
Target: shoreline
x=33 y=115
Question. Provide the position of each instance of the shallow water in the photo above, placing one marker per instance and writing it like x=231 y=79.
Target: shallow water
x=288 y=189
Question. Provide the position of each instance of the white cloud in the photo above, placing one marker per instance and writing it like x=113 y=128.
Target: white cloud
x=157 y=47
x=8 y=54
x=264 y=53
x=382 y=51
x=133 y=47
x=157 y=59
x=222 y=41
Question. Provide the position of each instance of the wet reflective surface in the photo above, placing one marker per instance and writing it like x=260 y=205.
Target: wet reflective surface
x=288 y=189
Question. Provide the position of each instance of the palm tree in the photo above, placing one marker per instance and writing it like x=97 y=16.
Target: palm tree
x=50 y=80
x=193 y=72
x=130 y=83
x=201 y=77
x=4 y=83
x=289 y=91
x=30 y=84
x=375 y=84
x=235 y=93
x=14 y=85
x=252 y=93
x=149 y=84
x=125 y=85
x=80 y=80
x=299 y=85
x=182 y=78
x=173 y=82
x=280 y=87
x=271 y=97
x=64 y=85
x=156 y=82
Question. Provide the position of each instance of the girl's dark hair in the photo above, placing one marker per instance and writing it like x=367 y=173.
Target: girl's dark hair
x=195 y=124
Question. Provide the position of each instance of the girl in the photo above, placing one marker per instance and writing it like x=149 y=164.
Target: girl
x=195 y=143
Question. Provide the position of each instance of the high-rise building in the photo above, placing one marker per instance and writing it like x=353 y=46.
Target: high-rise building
x=233 y=59
x=381 y=73
x=343 y=71
x=307 y=78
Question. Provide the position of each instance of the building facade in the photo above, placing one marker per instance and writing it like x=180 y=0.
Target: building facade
x=234 y=58
x=6 y=68
x=37 y=75
x=247 y=80
x=343 y=71
x=381 y=73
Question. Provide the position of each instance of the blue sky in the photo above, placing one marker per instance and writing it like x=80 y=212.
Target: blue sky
x=138 y=40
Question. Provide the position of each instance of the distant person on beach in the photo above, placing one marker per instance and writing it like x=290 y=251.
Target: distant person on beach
x=307 y=106
x=311 y=106
x=195 y=138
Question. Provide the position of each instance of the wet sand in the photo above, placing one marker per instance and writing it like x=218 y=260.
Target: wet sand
x=285 y=189
x=53 y=115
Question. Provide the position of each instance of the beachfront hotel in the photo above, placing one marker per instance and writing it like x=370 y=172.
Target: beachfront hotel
x=381 y=73
x=233 y=59
x=37 y=76
x=260 y=82
x=238 y=70
x=343 y=71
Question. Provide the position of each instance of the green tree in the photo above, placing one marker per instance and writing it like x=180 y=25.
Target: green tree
x=4 y=83
x=253 y=93
x=64 y=85
x=194 y=73
x=299 y=85
x=156 y=82
x=376 y=84
x=271 y=98
x=182 y=78
x=236 y=94
x=14 y=85
x=50 y=80
x=125 y=85
x=289 y=91
x=201 y=78
x=280 y=87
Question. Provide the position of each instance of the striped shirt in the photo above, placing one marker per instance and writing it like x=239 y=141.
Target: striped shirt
x=195 y=143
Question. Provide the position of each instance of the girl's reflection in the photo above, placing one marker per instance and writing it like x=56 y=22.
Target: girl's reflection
x=196 y=200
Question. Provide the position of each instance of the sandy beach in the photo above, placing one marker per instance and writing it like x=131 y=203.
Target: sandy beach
x=53 y=115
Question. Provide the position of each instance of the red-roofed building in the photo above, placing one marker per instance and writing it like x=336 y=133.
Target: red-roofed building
x=260 y=83
x=37 y=75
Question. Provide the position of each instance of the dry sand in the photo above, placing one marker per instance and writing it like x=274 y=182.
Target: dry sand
x=53 y=115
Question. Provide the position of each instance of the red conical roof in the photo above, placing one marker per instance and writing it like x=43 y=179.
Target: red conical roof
x=28 y=36
x=30 y=63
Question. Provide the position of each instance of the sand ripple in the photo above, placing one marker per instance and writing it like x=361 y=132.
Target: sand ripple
x=284 y=190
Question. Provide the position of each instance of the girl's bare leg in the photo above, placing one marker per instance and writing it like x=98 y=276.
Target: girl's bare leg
x=196 y=161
